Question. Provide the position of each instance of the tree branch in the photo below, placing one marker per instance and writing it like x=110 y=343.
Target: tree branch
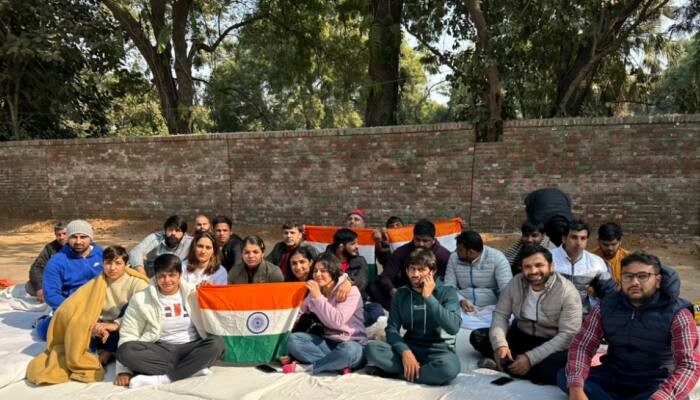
x=197 y=46
x=133 y=29
x=444 y=59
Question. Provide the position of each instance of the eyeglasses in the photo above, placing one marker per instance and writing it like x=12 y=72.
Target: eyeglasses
x=641 y=276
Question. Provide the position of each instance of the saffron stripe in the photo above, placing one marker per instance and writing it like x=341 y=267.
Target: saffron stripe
x=445 y=231
x=324 y=234
x=252 y=297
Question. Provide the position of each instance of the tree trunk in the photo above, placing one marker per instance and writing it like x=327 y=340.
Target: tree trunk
x=384 y=53
x=483 y=45
x=183 y=67
x=176 y=96
x=13 y=104
x=575 y=83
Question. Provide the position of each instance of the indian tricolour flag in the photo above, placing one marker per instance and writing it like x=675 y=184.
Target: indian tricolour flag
x=446 y=232
x=321 y=236
x=253 y=320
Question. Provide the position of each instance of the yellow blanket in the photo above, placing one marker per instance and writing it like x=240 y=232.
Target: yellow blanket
x=67 y=353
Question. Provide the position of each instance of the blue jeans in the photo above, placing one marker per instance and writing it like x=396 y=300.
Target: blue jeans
x=601 y=385
x=42 y=327
x=324 y=354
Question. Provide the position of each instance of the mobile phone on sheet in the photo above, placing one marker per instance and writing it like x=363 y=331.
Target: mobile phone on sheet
x=265 y=368
x=504 y=380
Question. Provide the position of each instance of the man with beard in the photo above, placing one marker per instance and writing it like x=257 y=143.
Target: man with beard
x=394 y=274
x=584 y=269
x=292 y=239
x=229 y=242
x=479 y=273
x=610 y=248
x=201 y=223
x=77 y=262
x=346 y=248
x=35 y=285
x=172 y=240
x=651 y=336
x=429 y=313
x=547 y=311
x=531 y=234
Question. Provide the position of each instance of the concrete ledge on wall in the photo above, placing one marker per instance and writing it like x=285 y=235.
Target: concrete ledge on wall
x=636 y=120
x=381 y=130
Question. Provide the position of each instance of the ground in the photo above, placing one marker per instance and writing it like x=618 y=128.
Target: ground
x=21 y=242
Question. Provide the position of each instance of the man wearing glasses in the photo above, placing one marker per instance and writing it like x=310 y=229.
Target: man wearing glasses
x=651 y=335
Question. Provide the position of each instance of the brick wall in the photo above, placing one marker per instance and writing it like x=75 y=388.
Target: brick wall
x=643 y=172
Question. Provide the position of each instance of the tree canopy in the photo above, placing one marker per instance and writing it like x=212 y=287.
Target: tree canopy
x=81 y=68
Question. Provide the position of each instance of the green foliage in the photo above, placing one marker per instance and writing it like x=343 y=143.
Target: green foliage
x=415 y=105
x=305 y=67
x=51 y=57
x=679 y=89
x=537 y=45
x=300 y=68
x=134 y=110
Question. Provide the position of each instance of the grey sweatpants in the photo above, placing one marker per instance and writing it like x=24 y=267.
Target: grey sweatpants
x=178 y=361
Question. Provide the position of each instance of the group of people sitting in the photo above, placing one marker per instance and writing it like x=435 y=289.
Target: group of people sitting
x=549 y=305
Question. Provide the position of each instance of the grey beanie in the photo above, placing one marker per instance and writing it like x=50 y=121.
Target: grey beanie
x=79 y=226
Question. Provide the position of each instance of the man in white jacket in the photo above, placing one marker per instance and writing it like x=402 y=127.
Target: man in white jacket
x=479 y=273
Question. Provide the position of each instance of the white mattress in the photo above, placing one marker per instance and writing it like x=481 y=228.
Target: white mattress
x=17 y=347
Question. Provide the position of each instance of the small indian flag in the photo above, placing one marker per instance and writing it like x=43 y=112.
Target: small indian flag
x=253 y=320
x=321 y=236
x=446 y=232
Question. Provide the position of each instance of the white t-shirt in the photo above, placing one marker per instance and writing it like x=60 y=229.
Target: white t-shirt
x=177 y=325
x=530 y=307
x=220 y=277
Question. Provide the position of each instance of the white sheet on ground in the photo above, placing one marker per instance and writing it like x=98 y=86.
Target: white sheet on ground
x=477 y=319
x=16 y=298
x=18 y=346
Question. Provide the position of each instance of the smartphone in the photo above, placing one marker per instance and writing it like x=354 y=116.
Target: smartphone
x=506 y=362
x=504 y=380
x=265 y=368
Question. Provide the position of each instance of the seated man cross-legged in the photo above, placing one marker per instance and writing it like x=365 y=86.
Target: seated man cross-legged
x=394 y=274
x=35 y=285
x=547 y=309
x=479 y=273
x=651 y=335
x=429 y=312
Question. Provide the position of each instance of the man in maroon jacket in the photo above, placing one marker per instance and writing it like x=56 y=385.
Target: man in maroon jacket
x=394 y=274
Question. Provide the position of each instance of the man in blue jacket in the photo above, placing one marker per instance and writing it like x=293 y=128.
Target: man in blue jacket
x=77 y=262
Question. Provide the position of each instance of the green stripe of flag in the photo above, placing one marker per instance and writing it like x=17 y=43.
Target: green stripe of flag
x=254 y=349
